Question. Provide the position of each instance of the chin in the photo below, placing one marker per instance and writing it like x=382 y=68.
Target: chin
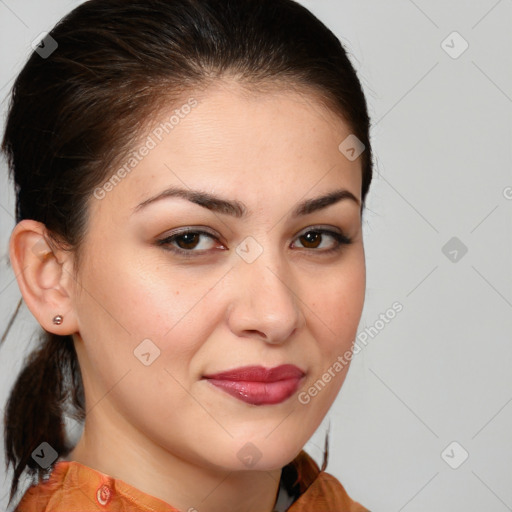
x=266 y=453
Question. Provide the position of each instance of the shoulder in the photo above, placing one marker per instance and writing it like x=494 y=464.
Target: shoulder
x=73 y=487
x=320 y=491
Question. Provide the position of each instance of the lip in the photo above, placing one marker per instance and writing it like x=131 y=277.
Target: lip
x=257 y=385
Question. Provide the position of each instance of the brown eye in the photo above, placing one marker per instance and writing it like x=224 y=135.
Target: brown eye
x=311 y=239
x=315 y=238
x=187 y=241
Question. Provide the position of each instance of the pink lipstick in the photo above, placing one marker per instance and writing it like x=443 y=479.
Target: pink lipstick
x=257 y=385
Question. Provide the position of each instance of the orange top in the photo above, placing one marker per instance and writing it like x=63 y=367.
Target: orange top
x=73 y=487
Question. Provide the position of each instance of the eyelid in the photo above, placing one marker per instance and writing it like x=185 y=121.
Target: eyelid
x=320 y=227
x=189 y=229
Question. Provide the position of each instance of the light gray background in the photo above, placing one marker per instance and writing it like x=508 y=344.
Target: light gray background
x=440 y=370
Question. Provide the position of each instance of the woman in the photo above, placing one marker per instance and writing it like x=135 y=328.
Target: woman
x=190 y=179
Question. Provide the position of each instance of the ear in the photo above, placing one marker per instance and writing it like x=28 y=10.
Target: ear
x=45 y=276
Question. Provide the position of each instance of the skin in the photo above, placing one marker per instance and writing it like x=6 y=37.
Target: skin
x=162 y=428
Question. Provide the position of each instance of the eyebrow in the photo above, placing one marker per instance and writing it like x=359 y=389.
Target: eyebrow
x=238 y=209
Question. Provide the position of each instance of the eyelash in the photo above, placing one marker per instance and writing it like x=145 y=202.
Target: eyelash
x=340 y=238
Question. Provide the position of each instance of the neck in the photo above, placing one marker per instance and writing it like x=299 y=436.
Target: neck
x=125 y=454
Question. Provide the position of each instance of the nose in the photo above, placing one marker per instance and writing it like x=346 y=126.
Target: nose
x=265 y=301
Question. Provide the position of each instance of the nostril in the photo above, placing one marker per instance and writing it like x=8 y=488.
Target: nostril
x=258 y=333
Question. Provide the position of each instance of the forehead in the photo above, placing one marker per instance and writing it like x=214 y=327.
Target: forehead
x=236 y=141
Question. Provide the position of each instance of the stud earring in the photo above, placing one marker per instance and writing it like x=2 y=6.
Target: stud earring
x=57 y=320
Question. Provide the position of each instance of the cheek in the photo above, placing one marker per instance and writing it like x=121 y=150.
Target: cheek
x=126 y=312
x=128 y=298
x=125 y=302
x=334 y=308
x=336 y=303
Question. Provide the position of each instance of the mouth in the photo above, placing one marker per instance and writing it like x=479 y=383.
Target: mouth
x=257 y=385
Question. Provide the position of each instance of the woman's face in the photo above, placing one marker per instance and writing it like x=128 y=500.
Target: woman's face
x=261 y=280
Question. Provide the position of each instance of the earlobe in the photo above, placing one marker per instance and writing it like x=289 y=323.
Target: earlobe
x=44 y=276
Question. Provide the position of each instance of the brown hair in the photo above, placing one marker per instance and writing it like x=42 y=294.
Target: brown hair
x=74 y=112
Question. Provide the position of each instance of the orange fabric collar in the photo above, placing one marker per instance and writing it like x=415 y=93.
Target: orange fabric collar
x=72 y=486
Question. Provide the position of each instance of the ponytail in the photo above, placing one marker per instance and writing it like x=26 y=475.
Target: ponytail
x=37 y=404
